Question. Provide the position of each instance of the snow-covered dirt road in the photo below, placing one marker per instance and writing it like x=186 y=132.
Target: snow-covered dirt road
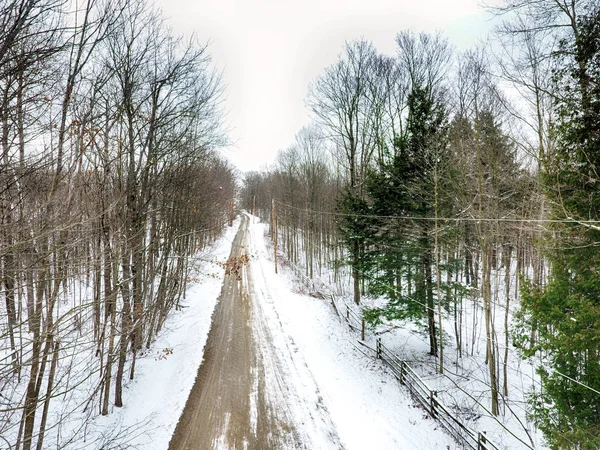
x=253 y=389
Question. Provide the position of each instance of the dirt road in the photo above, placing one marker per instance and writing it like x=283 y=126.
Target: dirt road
x=243 y=397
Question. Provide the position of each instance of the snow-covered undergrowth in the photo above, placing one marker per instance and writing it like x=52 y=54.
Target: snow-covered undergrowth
x=364 y=402
x=164 y=374
x=465 y=384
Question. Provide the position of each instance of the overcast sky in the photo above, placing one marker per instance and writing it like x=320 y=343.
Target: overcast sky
x=270 y=51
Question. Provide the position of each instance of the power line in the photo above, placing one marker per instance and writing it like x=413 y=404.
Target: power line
x=575 y=381
x=442 y=219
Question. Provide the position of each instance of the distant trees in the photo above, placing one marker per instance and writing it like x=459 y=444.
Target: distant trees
x=404 y=116
x=407 y=184
x=109 y=182
x=489 y=184
x=304 y=186
x=342 y=101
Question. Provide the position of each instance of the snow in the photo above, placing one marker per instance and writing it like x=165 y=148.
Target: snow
x=317 y=358
x=465 y=385
x=332 y=386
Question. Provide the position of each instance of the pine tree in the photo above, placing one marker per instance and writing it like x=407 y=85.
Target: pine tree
x=405 y=186
x=356 y=230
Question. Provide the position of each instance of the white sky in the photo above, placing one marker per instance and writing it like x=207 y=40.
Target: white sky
x=270 y=50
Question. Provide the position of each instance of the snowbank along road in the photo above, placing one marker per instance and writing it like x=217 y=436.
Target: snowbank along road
x=246 y=391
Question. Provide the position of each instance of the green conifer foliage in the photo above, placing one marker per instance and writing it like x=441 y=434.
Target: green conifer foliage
x=400 y=252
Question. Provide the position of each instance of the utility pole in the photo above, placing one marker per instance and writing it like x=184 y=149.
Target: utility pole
x=274 y=226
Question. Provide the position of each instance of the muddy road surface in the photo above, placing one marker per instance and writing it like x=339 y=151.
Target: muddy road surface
x=244 y=396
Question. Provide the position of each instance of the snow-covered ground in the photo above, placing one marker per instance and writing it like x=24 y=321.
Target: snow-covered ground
x=464 y=386
x=365 y=403
x=367 y=406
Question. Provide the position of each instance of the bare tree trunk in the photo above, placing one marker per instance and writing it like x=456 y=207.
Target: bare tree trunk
x=355 y=271
x=437 y=270
x=9 y=296
x=31 y=396
x=48 y=396
x=487 y=306
x=125 y=329
x=507 y=261
x=426 y=262
x=110 y=295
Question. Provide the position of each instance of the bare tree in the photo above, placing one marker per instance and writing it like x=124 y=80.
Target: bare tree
x=341 y=101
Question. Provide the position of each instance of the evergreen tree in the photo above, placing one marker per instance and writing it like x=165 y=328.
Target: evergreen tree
x=356 y=231
x=405 y=186
x=566 y=313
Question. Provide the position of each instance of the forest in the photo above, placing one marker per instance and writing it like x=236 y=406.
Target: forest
x=455 y=192
x=110 y=184
x=439 y=182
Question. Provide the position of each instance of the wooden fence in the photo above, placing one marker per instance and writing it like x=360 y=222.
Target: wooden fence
x=463 y=435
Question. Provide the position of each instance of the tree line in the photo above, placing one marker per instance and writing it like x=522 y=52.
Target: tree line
x=434 y=177
x=110 y=181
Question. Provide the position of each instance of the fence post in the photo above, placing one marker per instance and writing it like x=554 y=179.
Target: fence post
x=378 y=348
x=481 y=441
x=402 y=372
x=362 y=330
x=432 y=400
